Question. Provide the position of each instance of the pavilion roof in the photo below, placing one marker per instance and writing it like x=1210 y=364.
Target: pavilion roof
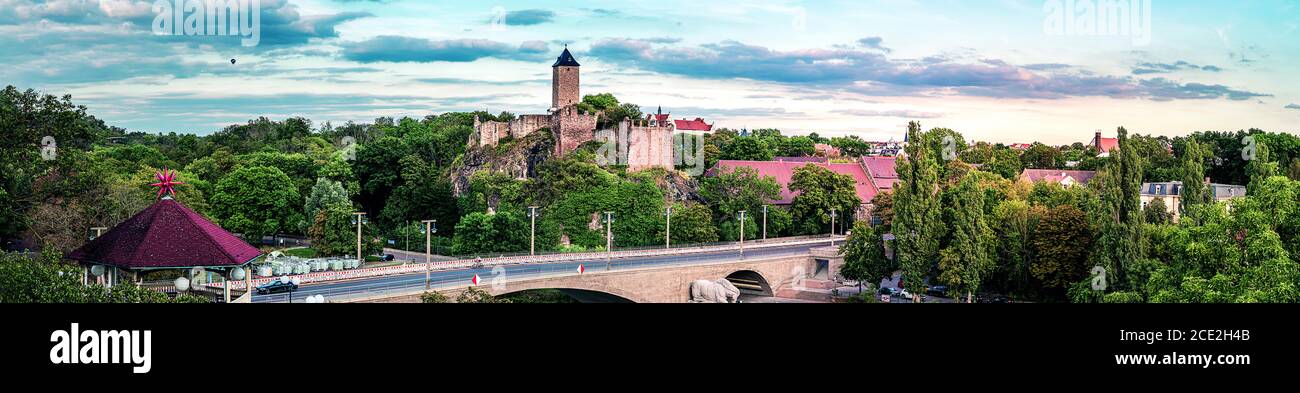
x=166 y=235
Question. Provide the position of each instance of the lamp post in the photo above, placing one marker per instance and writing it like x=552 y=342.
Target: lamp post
x=833 y=214
x=764 y=222
x=359 y=218
x=532 y=237
x=742 y=234
x=609 y=240
x=430 y=227
x=668 y=228
x=99 y=231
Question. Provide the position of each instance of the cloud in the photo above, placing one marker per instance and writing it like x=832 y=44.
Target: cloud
x=1165 y=68
x=407 y=49
x=870 y=72
x=899 y=113
x=529 y=17
x=874 y=43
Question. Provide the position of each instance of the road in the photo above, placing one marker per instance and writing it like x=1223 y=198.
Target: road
x=451 y=278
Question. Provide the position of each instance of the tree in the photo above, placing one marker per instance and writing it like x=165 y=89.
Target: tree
x=734 y=189
x=882 y=208
x=333 y=234
x=821 y=191
x=1259 y=169
x=1157 y=213
x=1015 y=224
x=257 y=201
x=1061 y=247
x=864 y=256
x=1041 y=156
x=324 y=194
x=747 y=149
x=1119 y=216
x=798 y=146
x=1006 y=163
x=479 y=233
x=1194 y=191
x=693 y=224
x=917 y=223
x=968 y=257
x=48 y=279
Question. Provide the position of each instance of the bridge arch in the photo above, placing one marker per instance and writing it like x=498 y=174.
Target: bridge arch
x=751 y=282
x=582 y=295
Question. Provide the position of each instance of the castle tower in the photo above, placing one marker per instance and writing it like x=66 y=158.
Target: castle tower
x=564 y=81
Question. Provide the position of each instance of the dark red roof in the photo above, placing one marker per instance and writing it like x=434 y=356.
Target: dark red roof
x=693 y=125
x=658 y=118
x=882 y=170
x=783 y=172
x=166 y=235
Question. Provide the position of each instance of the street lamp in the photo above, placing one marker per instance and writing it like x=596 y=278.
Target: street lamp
x=609 y=240
x=742 y=234
x=764 y=222
x=833 y=214
x=99 y=231
x=430 y=227
x=668 y=228
x=532 y=238
x=359 y=219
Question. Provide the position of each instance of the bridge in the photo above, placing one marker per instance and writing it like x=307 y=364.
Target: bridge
x=777 y=267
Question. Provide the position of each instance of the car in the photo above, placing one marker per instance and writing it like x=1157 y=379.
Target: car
x=937 y=291
x=389 y=257
x=888 y=291
x=276 y=286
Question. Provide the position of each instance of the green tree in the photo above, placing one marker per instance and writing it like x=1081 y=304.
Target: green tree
x=1119 y=216
x=1157 y=213
x=798 y=146
x=48 y=279
x=1015 y=224
x=333 y=233
x=747 y=149
x=1061 y=246
x=968 y=258
x=479 y=233
x=917 y=223
x=1041 y=156
x=734 y=189
x=693 y=224
x=1194 y=190
x=865 y=260
x=821 y=191
x=324 y=194
x=257 y=201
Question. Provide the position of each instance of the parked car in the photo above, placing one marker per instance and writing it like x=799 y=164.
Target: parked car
x=276 y=286
x=937 y=291
x=389 y=257
x=889 y=291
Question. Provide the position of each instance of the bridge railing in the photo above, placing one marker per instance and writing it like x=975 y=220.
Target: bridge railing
x=412 y=268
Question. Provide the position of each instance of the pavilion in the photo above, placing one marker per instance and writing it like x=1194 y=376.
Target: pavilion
x=166 y=236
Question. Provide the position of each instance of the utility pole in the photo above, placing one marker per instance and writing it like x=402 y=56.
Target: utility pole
x=668 y=228
x=609 y=241
x=359 y=218
x=532 y=240
x=429 y=229
x=742 y=234
x=764 y=222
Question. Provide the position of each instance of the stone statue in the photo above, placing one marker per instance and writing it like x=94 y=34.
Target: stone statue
x=721 y=291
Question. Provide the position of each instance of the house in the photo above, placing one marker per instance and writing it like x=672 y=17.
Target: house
x=826 y=150
x=697 y=126
x=783 y=173
x=1103 y=146
x=1171 y=194
x=1064 y=178
x=1020 y=146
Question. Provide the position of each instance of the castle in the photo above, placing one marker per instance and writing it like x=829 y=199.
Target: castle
x=640 y=144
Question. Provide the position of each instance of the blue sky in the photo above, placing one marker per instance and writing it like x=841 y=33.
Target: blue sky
x=992 y=70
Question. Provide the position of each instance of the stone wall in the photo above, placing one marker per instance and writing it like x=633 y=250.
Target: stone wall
x=647 y=146
x=490 y=133
x=571 y=129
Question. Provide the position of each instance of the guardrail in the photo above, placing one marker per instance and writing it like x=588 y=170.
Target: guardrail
x=411 y=268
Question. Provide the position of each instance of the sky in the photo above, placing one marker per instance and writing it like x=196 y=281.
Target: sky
x=997 y=70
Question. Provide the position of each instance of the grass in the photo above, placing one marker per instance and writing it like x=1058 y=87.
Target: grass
x=300 y=252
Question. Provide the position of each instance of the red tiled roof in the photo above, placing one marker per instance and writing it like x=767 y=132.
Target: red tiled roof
x=1108 y=144
x=783 y=172
x=166 y=235
x=1056 y=176
x=693 y=125
x=661 y=119
x=880 y=167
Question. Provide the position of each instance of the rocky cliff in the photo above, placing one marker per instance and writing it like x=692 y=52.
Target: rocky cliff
x=519 y=158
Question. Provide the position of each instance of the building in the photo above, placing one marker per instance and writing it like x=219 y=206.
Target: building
x=871 y=175
x=697 y=126
x=1171 y=194
x=571 y=128
x=1064 y=178
x=1103 y=146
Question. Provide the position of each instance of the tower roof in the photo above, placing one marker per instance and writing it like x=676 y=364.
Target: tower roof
x=566 y=60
